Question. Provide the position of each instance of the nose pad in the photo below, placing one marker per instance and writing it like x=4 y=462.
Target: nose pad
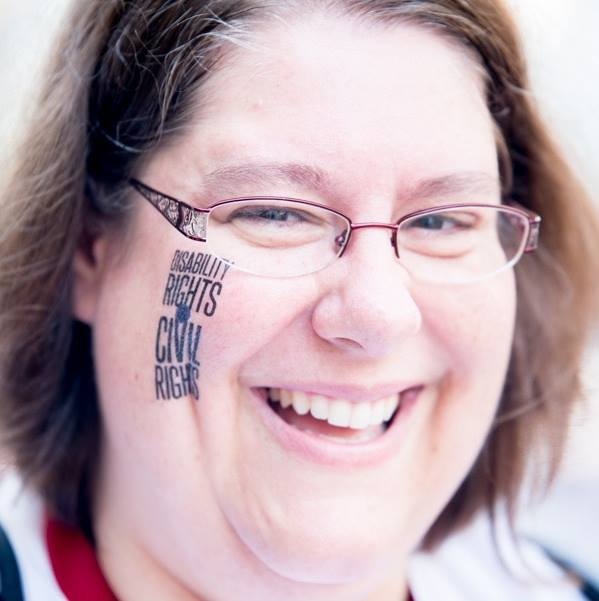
x=394 y=243
x=341 y=239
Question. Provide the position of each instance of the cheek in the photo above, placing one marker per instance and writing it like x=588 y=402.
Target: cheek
x=165 y=314
x=154 y=305
x=474 y=327
x=169 y=316
x=157 y=326
x=255 y=315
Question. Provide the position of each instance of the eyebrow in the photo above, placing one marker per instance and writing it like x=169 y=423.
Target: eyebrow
x=233 y=177
x=258 y=174
x=453 y=183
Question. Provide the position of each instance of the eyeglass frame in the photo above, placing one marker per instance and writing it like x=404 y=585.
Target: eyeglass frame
x=185 y=220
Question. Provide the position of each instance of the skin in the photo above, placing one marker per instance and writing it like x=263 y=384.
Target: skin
x=195 y=499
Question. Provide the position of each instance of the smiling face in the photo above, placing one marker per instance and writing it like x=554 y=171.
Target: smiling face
x=230 y=492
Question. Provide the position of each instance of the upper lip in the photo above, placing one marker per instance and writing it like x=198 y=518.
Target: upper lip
x=353 y=393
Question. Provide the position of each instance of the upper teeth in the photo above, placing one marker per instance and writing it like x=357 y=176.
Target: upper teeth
x=337 y=412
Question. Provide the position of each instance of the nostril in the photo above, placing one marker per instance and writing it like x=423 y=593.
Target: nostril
x=347 y=342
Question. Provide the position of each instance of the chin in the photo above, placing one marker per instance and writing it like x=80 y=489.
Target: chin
x=339 y=553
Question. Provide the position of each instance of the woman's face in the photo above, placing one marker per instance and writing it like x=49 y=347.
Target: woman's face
x=221 y=490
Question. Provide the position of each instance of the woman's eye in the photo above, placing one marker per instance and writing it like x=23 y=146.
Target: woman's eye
x=443 y=222
x=270 y=215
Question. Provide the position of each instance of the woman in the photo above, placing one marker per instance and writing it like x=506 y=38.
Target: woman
x=264 y=337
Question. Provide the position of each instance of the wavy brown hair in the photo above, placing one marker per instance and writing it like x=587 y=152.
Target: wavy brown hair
x=123 y=81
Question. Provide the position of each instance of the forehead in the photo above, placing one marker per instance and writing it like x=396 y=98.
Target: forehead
x=362 y=101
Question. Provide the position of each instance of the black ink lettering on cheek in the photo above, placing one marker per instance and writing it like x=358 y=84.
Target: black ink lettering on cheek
x=215 y=291
x=193 y=344
x=169 y=290
x=187 y=297
x=161 y=393
x=204 y=287
x=181 y=321
x=160 y=344
x=175 y=260
x=193 y=287
x=177 y=370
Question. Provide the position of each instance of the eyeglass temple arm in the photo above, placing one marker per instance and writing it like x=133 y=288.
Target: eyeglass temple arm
x=534 y=226
x=532 y=241
x=191 y=222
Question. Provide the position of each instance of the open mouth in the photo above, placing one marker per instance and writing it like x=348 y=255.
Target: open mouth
x=339 y=420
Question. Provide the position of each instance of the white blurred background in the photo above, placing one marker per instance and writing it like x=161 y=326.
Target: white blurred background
x=562 y=41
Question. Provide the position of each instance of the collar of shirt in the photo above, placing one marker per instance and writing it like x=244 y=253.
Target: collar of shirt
x=74 y=564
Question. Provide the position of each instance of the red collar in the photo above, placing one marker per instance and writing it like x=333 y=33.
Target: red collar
x=74 y=564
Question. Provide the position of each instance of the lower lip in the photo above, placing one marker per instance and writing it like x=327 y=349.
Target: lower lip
x=339 y=455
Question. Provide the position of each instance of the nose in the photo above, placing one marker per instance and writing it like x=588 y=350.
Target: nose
x=366 y=307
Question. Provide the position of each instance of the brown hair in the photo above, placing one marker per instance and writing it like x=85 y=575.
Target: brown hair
x=123 y=81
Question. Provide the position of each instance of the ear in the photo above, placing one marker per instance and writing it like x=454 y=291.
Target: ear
x=88 y=269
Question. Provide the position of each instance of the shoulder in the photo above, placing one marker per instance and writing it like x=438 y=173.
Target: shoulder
x=22 y=519
x=469 y=566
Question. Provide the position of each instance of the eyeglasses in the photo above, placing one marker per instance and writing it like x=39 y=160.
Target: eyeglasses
x=286 y=237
